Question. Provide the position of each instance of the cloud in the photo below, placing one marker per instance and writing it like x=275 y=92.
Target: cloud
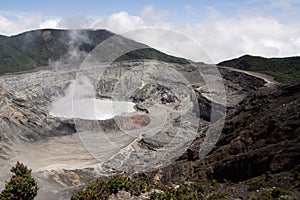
x=50 y=23
x=221 y=37
x=224 y=38
x=149 y=13
x=13 y=23
x=75 y=22
x=283 y=4
x=120 y=22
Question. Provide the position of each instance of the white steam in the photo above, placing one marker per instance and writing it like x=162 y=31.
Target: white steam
x=73 y=56
x=79 y=102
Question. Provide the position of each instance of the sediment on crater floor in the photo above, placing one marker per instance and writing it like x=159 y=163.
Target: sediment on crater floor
x=26 y=101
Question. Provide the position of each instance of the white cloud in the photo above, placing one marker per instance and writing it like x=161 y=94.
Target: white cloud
x=75 y=22
x=221 y=37
x=150 y=14
x=121 y=22
x=50 y=23
x=13 y=23
x=226 y=38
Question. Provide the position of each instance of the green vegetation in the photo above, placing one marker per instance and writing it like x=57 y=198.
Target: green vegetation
x=282 y=69
x=102 y=189
x=37 y=48
x=21 y=185
x=218 y=196
x=145 y=188
x=183 y=192
x=257 y=185
x=275 y=193
x=266 y=189
x=152 y=54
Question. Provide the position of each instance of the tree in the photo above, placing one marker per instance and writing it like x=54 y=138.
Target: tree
x=21 y=185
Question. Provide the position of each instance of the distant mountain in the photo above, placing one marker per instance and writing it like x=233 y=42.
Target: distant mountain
x=39 y=47
x=283 y=69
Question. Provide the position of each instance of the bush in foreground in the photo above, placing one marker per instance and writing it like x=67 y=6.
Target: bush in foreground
x=102 y=189
x=21 y=185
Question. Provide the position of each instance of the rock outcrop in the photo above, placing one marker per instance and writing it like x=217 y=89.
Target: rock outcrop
x=261 y=135
x=178 y=92
x=22 y=121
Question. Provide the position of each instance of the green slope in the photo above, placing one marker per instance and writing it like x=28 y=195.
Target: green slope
x=37 y=48
x=282 y=69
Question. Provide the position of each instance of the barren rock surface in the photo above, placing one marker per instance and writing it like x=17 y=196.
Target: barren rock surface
x=174 y=105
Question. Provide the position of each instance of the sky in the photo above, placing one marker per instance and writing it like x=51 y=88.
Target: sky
x=225 y=29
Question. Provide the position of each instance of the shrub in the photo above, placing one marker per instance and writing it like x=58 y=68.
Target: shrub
x=217 y=196
x=257 y=185
x=21 y=185
x=277 y=192
x=102 y=189
x=183 y=192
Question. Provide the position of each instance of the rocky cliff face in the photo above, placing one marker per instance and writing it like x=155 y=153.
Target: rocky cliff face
x=180 y=93
x=263 y=135
x=260 y=136
x=22 y=120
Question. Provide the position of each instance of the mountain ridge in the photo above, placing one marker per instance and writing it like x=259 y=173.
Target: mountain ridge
x=41 y=47
x=286 y=69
